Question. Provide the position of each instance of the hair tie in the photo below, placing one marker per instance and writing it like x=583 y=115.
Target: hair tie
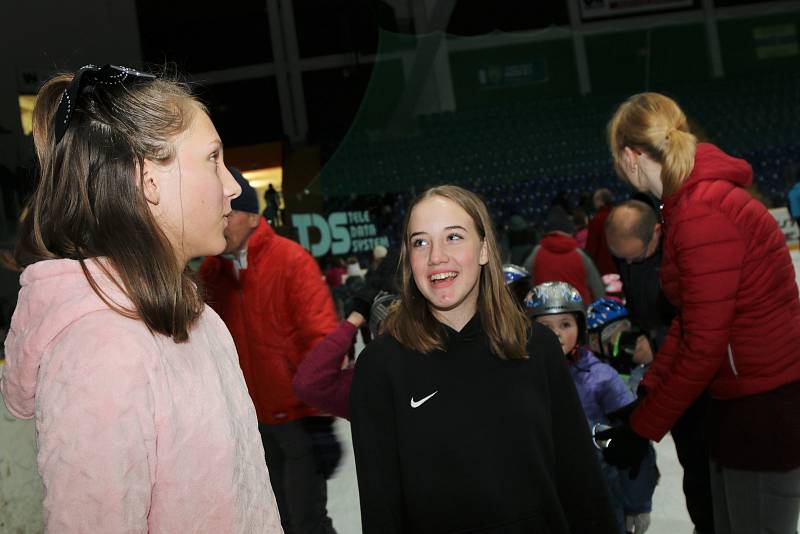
x=89 y=76
x=670 y=131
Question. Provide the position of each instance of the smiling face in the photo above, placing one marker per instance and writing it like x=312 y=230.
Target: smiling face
x=446 y=254
x=564 y=326
x=191 y=195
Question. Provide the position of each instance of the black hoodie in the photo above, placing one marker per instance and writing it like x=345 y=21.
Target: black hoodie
x=463 y=441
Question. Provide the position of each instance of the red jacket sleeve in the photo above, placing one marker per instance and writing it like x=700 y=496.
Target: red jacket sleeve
x=320 y=380
x=310 y=305
x=709 y=253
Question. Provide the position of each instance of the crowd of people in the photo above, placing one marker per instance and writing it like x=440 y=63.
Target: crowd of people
x=489 y=398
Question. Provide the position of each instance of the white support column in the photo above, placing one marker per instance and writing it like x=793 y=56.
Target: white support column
x=439 y=13
x=579 y=47
x=420 y=16
x=712 y=39
x=280 y=66
x=429 y=71
x=444 y=79
x=294 y=72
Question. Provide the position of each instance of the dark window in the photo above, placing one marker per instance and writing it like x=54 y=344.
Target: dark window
x=725 y=3
x=244 y=112
x=340 y=26
x=476 y=17
x=333 y=97
x=199 y=39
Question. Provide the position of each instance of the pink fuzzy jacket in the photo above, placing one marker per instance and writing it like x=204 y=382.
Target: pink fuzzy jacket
x=136 y=433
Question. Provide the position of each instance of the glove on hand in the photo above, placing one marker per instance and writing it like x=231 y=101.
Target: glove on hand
x=622 y=415
x=362 y=301
x=637 y=524
x=626 y=450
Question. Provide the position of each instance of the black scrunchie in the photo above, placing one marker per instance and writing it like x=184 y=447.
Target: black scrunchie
x=89 y=76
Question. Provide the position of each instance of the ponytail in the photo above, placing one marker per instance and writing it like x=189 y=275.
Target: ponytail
x=678 y=152
x=655 y=125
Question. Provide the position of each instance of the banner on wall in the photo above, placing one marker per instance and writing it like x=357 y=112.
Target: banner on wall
x=595 y=9
x=342 y=232
x=516 y=74
x=775 y=41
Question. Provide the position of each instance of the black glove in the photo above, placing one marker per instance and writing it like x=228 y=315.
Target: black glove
x=362 y=301
x=622 y=415
x=626 y=449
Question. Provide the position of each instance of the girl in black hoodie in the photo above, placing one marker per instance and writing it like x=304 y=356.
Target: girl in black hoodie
x=464 y=416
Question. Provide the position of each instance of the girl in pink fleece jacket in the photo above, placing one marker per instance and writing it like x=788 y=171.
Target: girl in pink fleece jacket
x=143 y=417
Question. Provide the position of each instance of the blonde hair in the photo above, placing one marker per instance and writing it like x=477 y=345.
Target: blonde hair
x=655 y=125
x=412 y=322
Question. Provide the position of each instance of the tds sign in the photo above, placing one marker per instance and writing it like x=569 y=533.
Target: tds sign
x=341 y=233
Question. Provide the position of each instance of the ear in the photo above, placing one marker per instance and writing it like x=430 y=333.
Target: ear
x=484 y=255
x=631 y=157
x=253 y=220
x=657 y=232
x=150 y=185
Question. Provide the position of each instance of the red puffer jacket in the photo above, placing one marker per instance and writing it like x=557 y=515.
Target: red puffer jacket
x=558 y=259
x=277 y=309
x=727 y=269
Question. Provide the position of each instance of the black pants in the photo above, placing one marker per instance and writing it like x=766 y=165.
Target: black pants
x=692 y=448
x=300 y=489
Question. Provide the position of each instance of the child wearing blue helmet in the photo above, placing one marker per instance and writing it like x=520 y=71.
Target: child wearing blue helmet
x=613 y=339
x=602 y=392
x=518 y=281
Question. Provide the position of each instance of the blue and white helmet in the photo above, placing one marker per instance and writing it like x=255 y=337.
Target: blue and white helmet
x=553 y=298
x=603 y=312
x=518 y=280
x=513 y=273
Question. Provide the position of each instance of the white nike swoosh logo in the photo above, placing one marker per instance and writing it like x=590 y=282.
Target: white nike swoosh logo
x=417 y=404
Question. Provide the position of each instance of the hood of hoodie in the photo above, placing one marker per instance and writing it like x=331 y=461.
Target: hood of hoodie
x=711 y=163
x=54 y=294
x=558 y=243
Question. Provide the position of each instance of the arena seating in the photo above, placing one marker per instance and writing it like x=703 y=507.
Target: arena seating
x=520 y=154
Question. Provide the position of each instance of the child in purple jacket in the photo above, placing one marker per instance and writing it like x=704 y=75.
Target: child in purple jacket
x=602 y=392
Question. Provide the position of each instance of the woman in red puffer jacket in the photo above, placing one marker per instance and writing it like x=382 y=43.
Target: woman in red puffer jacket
x=727 y=269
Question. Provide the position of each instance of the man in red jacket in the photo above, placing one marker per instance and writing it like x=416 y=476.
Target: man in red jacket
x=596 y=244
x=271 y=295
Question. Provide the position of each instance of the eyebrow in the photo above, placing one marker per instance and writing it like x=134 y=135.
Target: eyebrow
x=218 y=143
x=453 y=227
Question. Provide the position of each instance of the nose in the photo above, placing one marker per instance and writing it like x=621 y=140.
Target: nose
x=230 y=187
x=437 y=254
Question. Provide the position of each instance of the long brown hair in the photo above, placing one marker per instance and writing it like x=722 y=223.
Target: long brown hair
x=89 y=200
x=412 y=322
x=655 y=125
